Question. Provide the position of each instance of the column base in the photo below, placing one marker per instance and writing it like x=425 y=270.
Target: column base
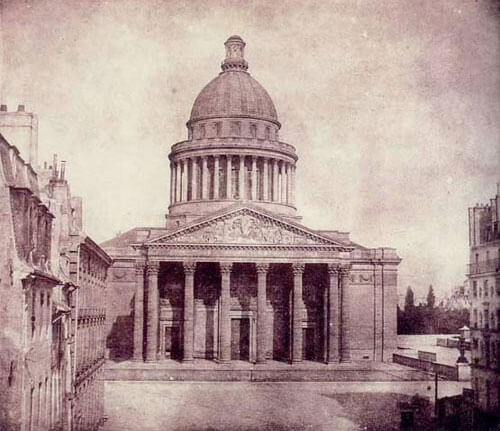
x=151 y=361
x=333 y=361
x=137 y=359
x=187 y=360
x=223 y=361
x=296 y=361
x=345 y=360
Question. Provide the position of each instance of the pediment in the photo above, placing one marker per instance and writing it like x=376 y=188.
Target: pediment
x=245 y=226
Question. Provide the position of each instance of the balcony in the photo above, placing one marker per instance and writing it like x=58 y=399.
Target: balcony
x=491 y=265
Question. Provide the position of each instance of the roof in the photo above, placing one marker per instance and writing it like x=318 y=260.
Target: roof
x=233 y=94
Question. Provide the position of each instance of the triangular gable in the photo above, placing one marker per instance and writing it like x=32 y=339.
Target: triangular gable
x=245 y=226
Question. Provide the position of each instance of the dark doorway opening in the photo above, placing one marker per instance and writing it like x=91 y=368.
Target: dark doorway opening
x=173 y=342
x=240 y=339
x=308 y=344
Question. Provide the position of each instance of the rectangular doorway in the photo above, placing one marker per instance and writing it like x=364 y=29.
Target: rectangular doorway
x=173 y=342
x=308 y=344
x=240 y=339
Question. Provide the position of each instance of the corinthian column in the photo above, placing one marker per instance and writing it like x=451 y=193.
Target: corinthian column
x=265 y=179
x=262 y=269
x=152 y=318
x=216 y=177
x=225 y=308
x=194 y=179
x=177 y=181
x=254 y=178
x=172 y=186
x=229 y=177
x=242 y=179
x=283 y=183
x=345 y=343
x=298 y=306
x=333 y=313
x=184 y=185
x=138 y=311
x=204 y=177
x=189 y=269
x=275 y=180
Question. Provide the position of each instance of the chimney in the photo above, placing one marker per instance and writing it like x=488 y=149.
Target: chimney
x=63 y=168
x=20 y=108
x=54 y=167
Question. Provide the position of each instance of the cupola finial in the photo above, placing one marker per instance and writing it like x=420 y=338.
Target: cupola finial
x=235 y=54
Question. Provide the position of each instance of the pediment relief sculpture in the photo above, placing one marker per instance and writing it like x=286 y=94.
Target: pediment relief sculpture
x=246 y=228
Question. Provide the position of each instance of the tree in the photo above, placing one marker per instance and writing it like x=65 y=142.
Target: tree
x=409 y=300
x=431 y=298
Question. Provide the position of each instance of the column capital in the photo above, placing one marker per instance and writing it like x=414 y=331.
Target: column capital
x=262 y=267
x=345 y=270
x=189 y=267
x=139 y=266
x=225 y=267
x=153 y=268
x=333 y=269
x=298 y=268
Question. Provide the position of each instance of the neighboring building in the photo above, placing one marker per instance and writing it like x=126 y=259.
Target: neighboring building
x=32 y=389
x=484 y=284
x=52 y=285
x=234 y=274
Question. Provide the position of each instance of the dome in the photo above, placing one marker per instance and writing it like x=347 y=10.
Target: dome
x=234 y=93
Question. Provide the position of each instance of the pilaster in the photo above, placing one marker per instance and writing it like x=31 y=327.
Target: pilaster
x=345 y=337
x=298 y=306
x=225 y=317
x=152 y=270
x=333 y=313
x=188 y=327
x=262 y=270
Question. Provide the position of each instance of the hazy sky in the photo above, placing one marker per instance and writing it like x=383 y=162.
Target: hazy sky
x=393 y=107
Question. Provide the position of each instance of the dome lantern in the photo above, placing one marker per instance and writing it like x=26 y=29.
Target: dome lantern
x=235 y=54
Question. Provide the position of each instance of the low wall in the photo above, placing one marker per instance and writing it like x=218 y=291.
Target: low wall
x=447 y=372
x=451 y=343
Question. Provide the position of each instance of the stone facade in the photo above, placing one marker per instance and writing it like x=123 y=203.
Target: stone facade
x=234 y=275
x=47 y=385
x=484 y=295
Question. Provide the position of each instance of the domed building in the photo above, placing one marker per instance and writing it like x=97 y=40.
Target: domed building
x=234 y=275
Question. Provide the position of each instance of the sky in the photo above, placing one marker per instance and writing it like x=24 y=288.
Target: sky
x=393 y=107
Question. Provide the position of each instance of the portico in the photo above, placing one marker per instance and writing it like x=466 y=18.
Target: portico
x=234 y=303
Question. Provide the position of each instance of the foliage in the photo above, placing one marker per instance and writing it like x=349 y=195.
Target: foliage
x=409 y=300
x=429 y=319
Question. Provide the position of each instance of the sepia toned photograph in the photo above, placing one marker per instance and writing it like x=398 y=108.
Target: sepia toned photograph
x=222 y=215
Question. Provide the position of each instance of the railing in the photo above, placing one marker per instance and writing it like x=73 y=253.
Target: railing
x=490 y=265
x=447 y=372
